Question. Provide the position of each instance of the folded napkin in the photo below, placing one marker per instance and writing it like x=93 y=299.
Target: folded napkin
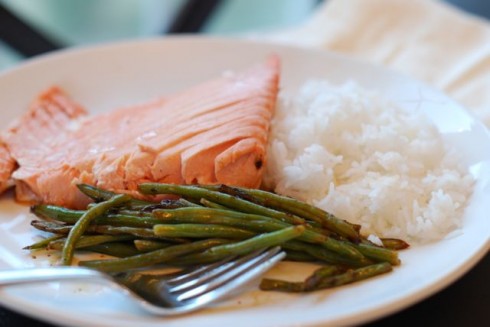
x=426 y=39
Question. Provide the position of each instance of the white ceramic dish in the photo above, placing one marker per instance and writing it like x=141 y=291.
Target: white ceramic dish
x=111 y=76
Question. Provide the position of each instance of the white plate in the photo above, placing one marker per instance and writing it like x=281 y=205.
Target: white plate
x=107 y=77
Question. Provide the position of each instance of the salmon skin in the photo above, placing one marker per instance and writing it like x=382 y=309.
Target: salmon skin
x=215 y=132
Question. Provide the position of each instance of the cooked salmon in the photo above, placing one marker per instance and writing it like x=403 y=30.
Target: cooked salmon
x=215 y=132
x=33 y=138
x=7 y=166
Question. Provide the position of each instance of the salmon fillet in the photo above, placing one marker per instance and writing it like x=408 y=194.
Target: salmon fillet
x=32 y=138
x=7 y=166
x=215 y=132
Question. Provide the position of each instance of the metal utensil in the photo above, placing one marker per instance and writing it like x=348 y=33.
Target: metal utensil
x=164 y=294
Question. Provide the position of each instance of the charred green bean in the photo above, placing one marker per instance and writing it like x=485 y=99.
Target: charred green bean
x=153 y=257
x=84 y=221
x=292 y=206
x=201 y=231
x=330 y=279
x=226 y=200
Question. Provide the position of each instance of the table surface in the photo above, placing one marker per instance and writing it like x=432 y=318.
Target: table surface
x=465 y=303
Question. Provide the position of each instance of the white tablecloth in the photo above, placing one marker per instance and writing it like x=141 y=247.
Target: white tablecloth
x=426 y=39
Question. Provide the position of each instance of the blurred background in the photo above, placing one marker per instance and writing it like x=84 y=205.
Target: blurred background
x=32 y=27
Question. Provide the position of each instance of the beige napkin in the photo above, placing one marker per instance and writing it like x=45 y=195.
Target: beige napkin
x=426 y=39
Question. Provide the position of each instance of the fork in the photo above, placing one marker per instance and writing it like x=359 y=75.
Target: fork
x=165 y=294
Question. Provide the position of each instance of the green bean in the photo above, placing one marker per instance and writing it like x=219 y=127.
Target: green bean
x=253 y=222
x=311 y=283
x=205 y=214
x=352 y=276
x=153 y=257
x=47 y=211
x=177 y=215
x=378 y=254
x=89 y=240
x=99 y=195
x=124 y=217
x=342 y=248
x=292 y=206
x=255 y=225
x=187 y=203
x=51 y=227
x=220 y=198
x=325 y=255
x=246 y=221
x=100 y=229
x=150 y=245
x=269 y=284
x=255 y=243
x=329 y=280
x=211 y=204
x=212 y=216
x=82 y=224
x=43 y=243
x=122 y=230
x=292 y=255
x=96 y=194
x=201 y=231
x=315 y=279
x=394 y=244
x=127 y=220
x=135 y=213
x=115 y=249
x=239 y=248
x=168 y=204
x=229 y=220
x=104 y=229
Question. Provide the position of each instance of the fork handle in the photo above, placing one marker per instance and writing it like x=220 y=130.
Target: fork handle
x=35 y=275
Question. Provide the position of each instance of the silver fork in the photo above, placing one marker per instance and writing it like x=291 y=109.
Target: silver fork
x=167 y=294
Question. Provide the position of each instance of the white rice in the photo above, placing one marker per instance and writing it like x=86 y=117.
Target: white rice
x=360 y=157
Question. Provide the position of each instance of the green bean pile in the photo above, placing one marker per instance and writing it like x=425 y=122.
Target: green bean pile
x=207 y=223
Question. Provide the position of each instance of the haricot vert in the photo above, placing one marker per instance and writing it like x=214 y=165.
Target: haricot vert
x=206 y=223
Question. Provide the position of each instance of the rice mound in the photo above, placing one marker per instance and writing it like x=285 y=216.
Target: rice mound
x=360 y=157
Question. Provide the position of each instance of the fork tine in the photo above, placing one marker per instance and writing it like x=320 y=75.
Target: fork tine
x=213 y=272
x=193 y=273
x=237 y=276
